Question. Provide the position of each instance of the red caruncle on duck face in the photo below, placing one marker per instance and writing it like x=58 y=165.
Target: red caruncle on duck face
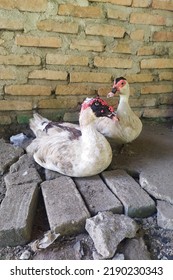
x=119 y=83
x=99 y=107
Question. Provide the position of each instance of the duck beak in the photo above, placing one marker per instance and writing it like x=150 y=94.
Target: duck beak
x=112 y=93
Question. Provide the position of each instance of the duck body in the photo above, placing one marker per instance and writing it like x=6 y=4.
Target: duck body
x=73 y=152
x=128 y=126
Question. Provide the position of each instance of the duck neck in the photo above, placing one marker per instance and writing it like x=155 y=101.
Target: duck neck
x=123 y=106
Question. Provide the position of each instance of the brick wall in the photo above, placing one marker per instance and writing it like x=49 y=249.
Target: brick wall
x=53 y=53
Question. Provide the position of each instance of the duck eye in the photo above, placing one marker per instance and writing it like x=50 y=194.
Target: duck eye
x=96 y=103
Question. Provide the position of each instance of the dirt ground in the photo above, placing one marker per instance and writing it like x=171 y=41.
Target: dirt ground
x=155 y=138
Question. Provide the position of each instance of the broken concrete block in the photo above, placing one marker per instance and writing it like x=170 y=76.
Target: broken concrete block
x=25 y=161
x=158 y=181
x=165 y=215
x=136 y=202
x=65 y=207
x=9 y=154
x=21 y=177
x=107 y=230
x=97 y=196
x=17 y=212
x=135 y=249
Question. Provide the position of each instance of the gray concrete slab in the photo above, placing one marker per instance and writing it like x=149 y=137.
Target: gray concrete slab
x=136 y=202
x=158 y=181
x=17 y=213
x=8 y=155
x=22 y=177
x=65 y=207
x=97 y=196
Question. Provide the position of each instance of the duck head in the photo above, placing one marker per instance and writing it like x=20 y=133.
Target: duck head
x=93 y=108
x=121 y=86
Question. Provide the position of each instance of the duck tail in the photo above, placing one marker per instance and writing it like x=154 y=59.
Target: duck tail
x=38 y=123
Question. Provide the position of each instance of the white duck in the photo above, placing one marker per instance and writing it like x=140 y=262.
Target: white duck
x=128 y=126
x=71 y=151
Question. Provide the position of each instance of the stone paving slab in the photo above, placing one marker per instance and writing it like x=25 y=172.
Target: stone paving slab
x=22 y=177
x=165 y=215
x=17 y=213
x=158 y=181
x=97 y=196
x=8 y=155
x=137 y=203
x=24 y=163
x=65 y=207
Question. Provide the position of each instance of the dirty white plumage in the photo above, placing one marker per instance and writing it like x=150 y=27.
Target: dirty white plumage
x=71 y=151
x=128 y=126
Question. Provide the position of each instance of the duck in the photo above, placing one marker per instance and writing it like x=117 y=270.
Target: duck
x=127 y=126
x=69 y=150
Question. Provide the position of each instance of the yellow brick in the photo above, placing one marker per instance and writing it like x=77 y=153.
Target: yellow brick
x=140 y=78
x=122 y=48
x=56 y=26
x=156 y=89
x=31 y=6
x=7 y=74
x=146 y=51
x=166 y=99
x=116 y=14
x=74 y=90
x=144 y=18
x=60 y=103
x=158 y=113
x=31 y=90
x=162 y=36
x=26 y=59
x=43 y=42
x=103 y=91
x=11 y=24
x=137 y=35
x=155 y=63
x=89 y=77
x=166 y=76
x=48 y=75
x=61 y=59
x=141 y=4
x=117 y=2
x=78 y=11
x=112 y=62
x=11 y=105
x=105 y=30
x=87 y=45
x=163 y=4
x=142 y=102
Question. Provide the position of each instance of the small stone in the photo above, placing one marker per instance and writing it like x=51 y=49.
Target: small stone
x=136 y=202
x=9 y=154
x=25 y=255
x=65 y=207
x=107 y=230
x=135 y=249
x=165 y=215
x=118 y=257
